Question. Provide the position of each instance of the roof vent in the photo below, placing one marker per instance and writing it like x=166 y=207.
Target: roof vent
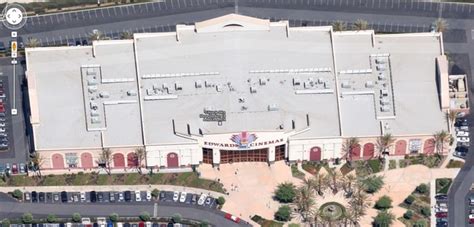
x=272 y=107
x=131 y=93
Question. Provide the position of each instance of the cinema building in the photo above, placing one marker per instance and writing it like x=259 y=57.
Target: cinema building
x=239 y=89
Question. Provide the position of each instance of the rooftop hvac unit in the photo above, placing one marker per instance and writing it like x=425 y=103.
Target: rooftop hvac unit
x=326 y=85
x=219 y=88
x=345 y=84
x=307 y=84
x=156 y=87
x=385 y=108
x=384 y=92
x=91 y=81
x=384 y=101
x=241 y=99
x=253 y=90
x=93 y=105
x=207 y=84
x=296 y=82
x=381 y=76
x=262 y=81
x=178 y=87
x=132 y=93
x=90 y=71
x=92 y=88
x=198 y=84
x=104 y=94
x=94 y=113
x=150 y=91
x=165 y=86
x=380 y=60
x=369 y=84
x=272 y=107
x=244 y=108
x=95 y=120
x=380 y=67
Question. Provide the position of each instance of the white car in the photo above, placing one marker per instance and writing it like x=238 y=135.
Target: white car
x=202 y=199
x=83 y=196
x=148 y=195
x=138 y=197
x=462 y=133
x=148 y=224
x=182 y=198
x=176 y=196
x=463 y=139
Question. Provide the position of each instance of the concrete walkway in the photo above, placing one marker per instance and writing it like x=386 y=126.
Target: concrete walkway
x=432 y=202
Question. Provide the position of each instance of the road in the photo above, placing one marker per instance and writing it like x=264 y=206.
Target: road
x=382 y=15
x=9 y=208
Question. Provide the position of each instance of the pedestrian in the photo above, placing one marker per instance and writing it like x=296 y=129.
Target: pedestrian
x=235 y=172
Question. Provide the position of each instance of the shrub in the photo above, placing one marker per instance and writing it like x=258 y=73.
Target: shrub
x=443 y=182
x=51 y=218
x=221 y=200
x=293 y=225
x=410 y=199
x=76 y=217
x=383 y=203
x=285 y=192
x=422 y=188
x=177 y=218
x=144 y=216
x=113 y=217
x=17 y=194
x=372 y=184
x=425 y=211
x=283 y=213
x=204 y=223
x=155 y=193
x=6 y=222
x=383 y=219
x=420 y=223
x=408 y=214
x=27 y=218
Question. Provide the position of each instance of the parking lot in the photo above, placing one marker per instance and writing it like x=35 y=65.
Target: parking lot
x=180 y=198
x=461 y=127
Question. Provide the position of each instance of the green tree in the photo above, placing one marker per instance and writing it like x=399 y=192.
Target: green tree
x=420 y=223
x=221 y=200
x=105 y=159
x=140 y=156
x=383 y=219
x=372 y=184
x=384 y=203
x=410 y=199
x=339 y=26
x=440 y=25
x=36 y=163
x=304 y=202
x=360 y=24
x=17 y=194
x=384 y=142
x=348 y=148
x=32 y=43
x=286 y=192
x=6 y=222
x=204 y=223
x=440 y=140
x=425 y=211
x=51 y=218
x=408 y=214
x=283 y=213
x=176 y=218
x=27 y=218
x=422 y=188
x=76 y=217
x=144 y=216
x=126 y=35
x=114 y=217
x=155 y=193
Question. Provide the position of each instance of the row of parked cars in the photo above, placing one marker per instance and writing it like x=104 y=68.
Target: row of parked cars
x=441 y=210
x=101 y=222
x=3 y=122
x=461 y=127
x=92 y=196
x=13 y=168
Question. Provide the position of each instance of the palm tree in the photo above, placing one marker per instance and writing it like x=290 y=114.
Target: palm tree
x=339 y=26
x=97 y=35
x=440 y=25
x=105 y=159
x=310 y=183
x=347 y=183
x=333 y=179
x=452 y=114
x=348 y=147
x=32 y=42
x=440 y=138
x=358 y=204
x=322 y=183
x=315 y=216
x=140 y=155
x=126 y=35
x=384 y=142
x=361 y=25
x=304 y=202
x=37 y=161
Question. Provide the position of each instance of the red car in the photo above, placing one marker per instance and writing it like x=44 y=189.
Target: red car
x=2 y=109
x=14 y=168
x=232 y=218
x=141 y=224
x=442 y=215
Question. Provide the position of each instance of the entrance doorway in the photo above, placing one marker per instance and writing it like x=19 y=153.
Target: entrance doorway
x=207 y=156
x=172 y=160
x=280 y=152
x=258 y=155
x=315 y=154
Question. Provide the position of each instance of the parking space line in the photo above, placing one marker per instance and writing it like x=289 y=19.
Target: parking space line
x=96 y=13
x=102 y=12
x=153 y=6
x=51 y=17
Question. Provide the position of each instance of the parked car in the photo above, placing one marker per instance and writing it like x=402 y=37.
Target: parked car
x=471 y=200
x=441 y=208
x=441 y=214
x=194 y=199
x=120 y=197
x=202 y=199
x=56 y=197
x=64 y=197
x=462 y=133
x=463 y=139
x=34 y=196
x=14 y=168
x=83 y=196
x=460 y=154
x=208 y=201
x=232 y=218
x=22 y=168
x=27 y=196
x=182 y=198
x=93 y=195
x=471 y=219
x=41 y=197
x=138 y=197
x=128 y=196
x=100 y=196
x=175 y=196
x=441 y=197
x=148 y=195
x=76 y=197
x=112 y=196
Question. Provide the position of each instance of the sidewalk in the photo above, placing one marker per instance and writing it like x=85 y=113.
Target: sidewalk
x=113 y=188
x=432 y=202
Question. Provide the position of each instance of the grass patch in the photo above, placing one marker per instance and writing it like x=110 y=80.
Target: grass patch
x=442 y=185
x=296 y=173
x=402 y=163
x=314 y=167
x=375 y=165
x=431 y=161
x=392 y=164
x=455 y=164
x=266 y=223
x=189 y=179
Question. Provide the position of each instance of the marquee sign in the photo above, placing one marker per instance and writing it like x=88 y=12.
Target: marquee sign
x=243 y=140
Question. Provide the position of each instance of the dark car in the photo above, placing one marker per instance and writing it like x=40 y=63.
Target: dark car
x=84 y=42
x=128 y=196
x=49 y=196
x=100 y=196
x=441 y=214
x=64 y=197
x=2 y=47
x=461 y=122
x=41 y=196
x=34 y=196
x=441 y=197
x=126 y=224
x=93 y=195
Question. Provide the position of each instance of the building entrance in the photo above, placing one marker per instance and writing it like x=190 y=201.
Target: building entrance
x=258 y=155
